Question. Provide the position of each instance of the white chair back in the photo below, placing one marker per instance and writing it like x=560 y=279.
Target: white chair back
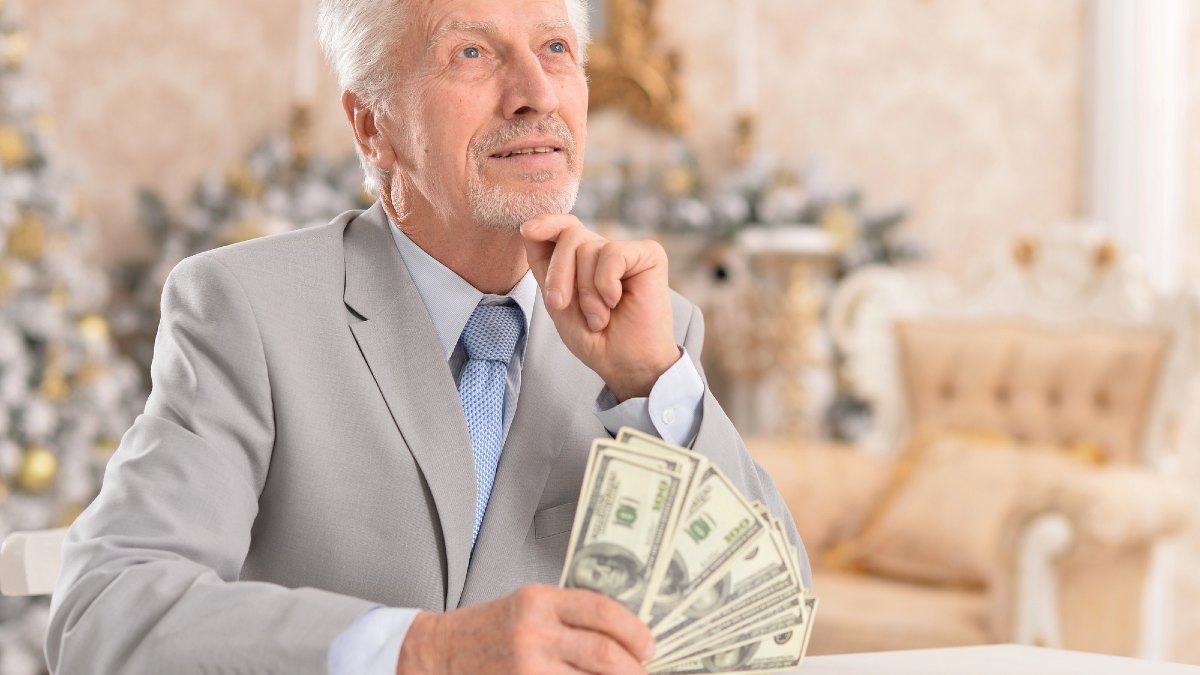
x=29 y=562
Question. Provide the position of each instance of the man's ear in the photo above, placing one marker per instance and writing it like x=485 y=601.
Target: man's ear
x=368 y=135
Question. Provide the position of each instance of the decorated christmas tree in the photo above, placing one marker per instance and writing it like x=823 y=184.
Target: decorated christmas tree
x=65 y=394
x=280 y=186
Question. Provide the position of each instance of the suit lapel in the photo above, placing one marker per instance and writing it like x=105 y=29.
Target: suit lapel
x=401 y=348
x=553 y=382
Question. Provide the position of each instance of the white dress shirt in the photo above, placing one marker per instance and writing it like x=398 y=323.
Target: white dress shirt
x=371 y=645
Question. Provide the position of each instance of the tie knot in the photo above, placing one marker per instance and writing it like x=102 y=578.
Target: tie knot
x=492 y=332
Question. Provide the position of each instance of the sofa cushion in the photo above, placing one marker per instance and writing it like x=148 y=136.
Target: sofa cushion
x=953 y=503
x=1079 y=388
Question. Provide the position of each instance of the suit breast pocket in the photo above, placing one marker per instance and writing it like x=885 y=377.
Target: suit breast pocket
x=554 y=520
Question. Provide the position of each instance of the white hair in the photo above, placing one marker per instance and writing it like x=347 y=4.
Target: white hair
x=359 y=37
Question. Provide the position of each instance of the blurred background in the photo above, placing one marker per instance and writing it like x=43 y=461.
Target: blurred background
x=945 y=248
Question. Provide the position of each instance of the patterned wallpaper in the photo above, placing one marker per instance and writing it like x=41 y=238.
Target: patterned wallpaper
x=967 y=110
x=156 y=93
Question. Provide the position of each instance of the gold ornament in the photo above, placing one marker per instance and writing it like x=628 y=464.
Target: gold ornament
x=243 y=181
x=1105 y=255
x=27 y=238
x=38 y=470
x=94 y=327
x=14 y=151
x=1025 y=252
x=839 y=222
x=16 y=46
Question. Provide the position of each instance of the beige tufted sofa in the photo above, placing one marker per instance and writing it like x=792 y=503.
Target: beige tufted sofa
x=1016 y=485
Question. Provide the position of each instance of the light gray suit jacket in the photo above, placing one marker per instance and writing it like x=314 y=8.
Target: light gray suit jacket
x=304 y=457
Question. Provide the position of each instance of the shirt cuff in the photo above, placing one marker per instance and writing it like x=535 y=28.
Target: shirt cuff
x=371 y=645
x=673 y=411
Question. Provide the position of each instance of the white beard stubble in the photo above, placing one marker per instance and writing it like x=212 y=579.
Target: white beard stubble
x=501 y=209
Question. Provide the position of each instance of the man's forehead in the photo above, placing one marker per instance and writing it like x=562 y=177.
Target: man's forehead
x=489 y=16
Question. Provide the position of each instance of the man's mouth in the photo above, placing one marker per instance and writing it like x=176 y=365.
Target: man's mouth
x=538 y=150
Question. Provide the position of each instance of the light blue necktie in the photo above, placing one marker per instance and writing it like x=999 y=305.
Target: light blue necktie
x=490 y=336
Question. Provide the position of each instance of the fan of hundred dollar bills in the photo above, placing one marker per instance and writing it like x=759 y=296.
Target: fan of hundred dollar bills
x=665 y=533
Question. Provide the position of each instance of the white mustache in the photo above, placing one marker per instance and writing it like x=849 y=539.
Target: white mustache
x=484 y=146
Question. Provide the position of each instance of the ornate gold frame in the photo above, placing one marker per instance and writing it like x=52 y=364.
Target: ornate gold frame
x=624 y=73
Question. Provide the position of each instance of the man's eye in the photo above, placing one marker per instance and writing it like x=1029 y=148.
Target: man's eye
x=470 y=52
x=558 y=47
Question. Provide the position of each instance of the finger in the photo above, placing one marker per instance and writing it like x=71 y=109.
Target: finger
x=594 y=309
x=591 y=611
x=560 y=273
x=539 y=235
x=620 y=262
x=597 y=653
x=550 y=241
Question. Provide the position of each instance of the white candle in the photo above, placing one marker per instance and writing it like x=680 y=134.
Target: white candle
x=306 y=54
x=746 y=43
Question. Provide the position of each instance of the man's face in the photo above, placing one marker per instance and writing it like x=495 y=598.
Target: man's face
x=490 y=110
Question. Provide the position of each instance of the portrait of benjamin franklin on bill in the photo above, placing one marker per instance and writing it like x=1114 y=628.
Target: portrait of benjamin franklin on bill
x=611 y=570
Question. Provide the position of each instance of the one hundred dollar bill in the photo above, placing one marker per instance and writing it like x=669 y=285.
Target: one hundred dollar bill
x=627 y=510
x=760 y=576
x=717 y=525
x=647 y=450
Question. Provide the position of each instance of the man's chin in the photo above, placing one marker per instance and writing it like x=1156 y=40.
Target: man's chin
x=504 y=210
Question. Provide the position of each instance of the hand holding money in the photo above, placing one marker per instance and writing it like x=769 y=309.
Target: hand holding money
x=536 y=629
x=667 y=535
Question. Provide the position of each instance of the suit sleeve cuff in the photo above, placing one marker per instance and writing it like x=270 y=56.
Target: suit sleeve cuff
x=371 y=645
x=673 y=411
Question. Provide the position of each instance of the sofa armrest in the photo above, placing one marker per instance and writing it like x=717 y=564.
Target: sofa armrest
x=829 y=489
x=1080 y=585
x=1122 y=506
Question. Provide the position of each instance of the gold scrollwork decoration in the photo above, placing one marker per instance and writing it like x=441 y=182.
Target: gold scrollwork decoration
x=624 y=72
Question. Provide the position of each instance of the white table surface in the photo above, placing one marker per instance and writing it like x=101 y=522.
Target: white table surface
x=986 y=660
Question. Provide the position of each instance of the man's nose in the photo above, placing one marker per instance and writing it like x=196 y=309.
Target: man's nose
x=528 y=91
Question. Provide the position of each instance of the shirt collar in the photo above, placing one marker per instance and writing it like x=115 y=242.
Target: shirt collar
x=448 y=298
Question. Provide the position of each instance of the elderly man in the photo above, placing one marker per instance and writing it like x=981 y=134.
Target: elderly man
x=365 y=440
